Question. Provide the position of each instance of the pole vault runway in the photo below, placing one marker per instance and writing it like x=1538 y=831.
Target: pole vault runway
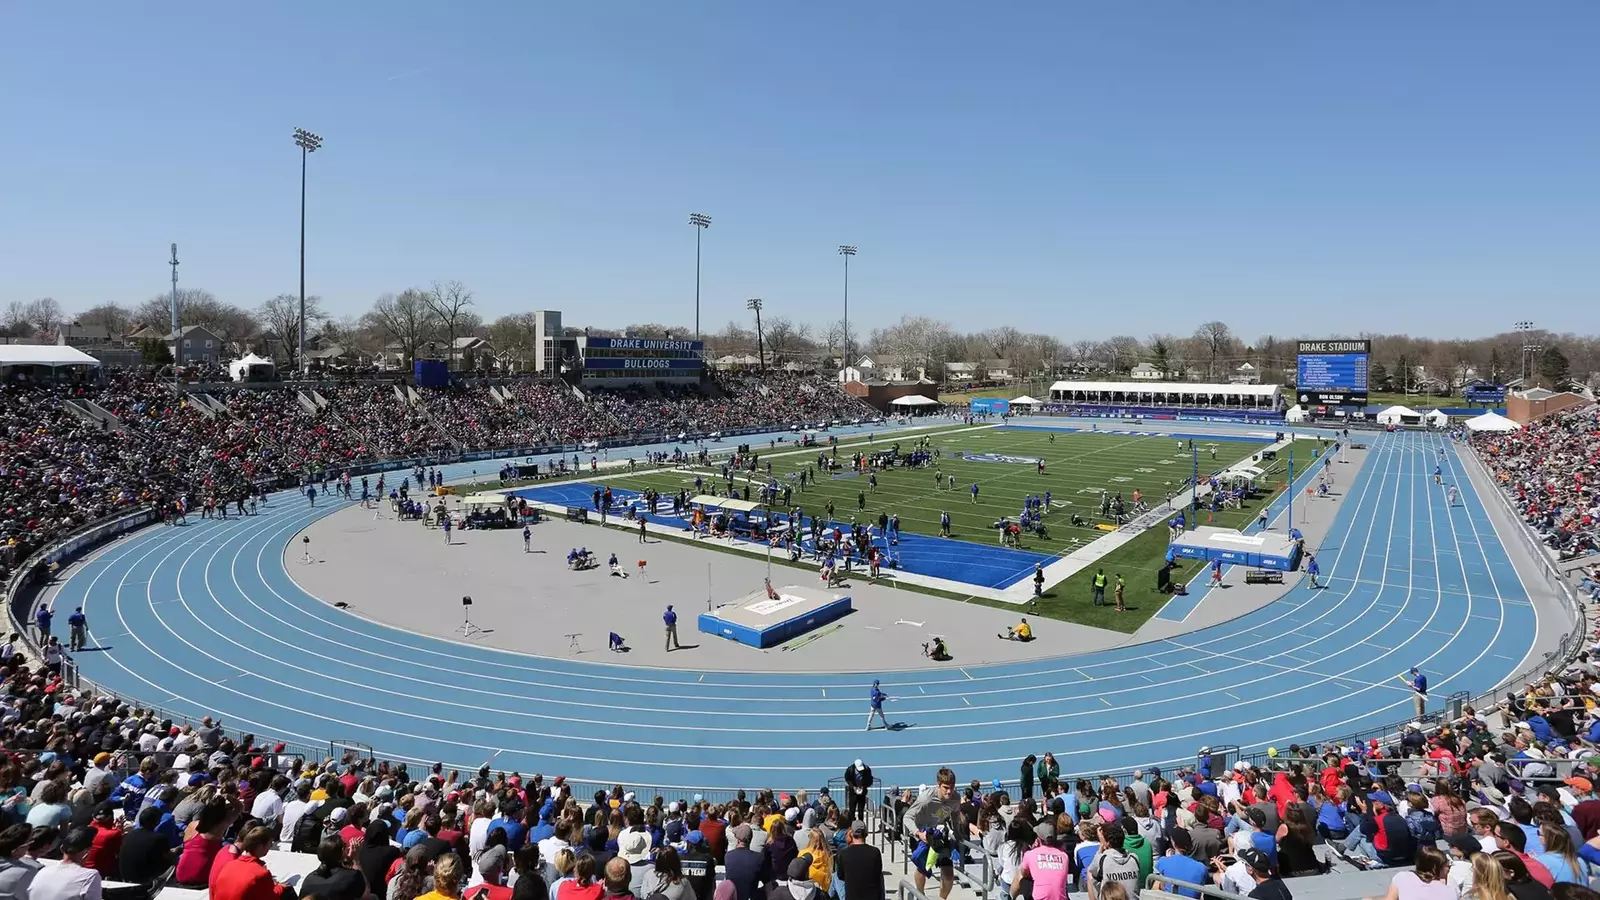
x=206 y=619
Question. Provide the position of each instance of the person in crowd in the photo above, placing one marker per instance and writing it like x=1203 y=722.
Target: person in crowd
x=332 y=879
x=1429 y=880
x=246 y=877
x=448 y=877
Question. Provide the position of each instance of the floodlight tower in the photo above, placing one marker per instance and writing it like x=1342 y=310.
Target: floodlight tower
x=701 y=222
x=754 y=305
x=308 y=144
x=847 y=251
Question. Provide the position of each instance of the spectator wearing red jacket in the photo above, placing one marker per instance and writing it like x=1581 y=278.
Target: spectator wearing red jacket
x=246 y=877
x=105 y=854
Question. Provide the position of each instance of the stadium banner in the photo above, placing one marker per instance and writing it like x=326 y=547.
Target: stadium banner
x=624 y=363
x=662 y=345
x=1332 y=373
x=994 y=406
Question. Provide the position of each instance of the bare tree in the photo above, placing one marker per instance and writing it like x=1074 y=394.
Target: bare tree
x=197 y=307
x=16 y=317
x=449 y=304
x=840 y=342
x=786 y=338
x=406 y=319
x=1002 y=342
x=513 y=339
x=113 y=317
x=281 y=316
x=1217 y=338
x=45 y=315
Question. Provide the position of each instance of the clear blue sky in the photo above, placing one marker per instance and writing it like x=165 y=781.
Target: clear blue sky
x=1085 y=169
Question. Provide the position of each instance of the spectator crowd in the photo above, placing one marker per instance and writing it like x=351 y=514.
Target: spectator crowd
x=1551 y=469
x=61 y=468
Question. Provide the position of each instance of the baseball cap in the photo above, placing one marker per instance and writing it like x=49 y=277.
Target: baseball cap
x=634 y=846
x=1576 y=781
x=800 y=868
x=741 y=833
x=1255 y=859
x=1466 y=843
x=694 y=837
x=859 y=829
x=1044 y=831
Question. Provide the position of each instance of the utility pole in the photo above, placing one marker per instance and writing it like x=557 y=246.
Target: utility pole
x=177 y=339
x=1530 y=346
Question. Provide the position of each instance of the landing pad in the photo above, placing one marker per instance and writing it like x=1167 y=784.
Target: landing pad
x=1262 y=550
x=766 y=619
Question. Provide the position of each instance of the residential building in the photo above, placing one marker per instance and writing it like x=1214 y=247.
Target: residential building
x=1245 y=373
x=1145 y=372
x=195 y=344
x=960 y=371
x=998 y=370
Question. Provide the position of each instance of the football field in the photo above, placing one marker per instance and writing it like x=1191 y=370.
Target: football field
x=1081 y=467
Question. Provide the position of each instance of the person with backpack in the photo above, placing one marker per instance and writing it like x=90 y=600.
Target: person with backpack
x=1421 y=822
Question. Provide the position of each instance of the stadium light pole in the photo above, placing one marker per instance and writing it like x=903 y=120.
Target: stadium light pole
x=1525 y=328
x=308 y=144
x=754 y=305
x=701 y=222
x=846 y=251
x=177 y=339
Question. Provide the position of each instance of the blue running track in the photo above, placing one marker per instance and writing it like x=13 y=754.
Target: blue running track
x=205 y=619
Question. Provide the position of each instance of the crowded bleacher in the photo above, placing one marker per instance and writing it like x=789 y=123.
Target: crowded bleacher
x=1551 y=469
x=1499 y=803
x=62 y=470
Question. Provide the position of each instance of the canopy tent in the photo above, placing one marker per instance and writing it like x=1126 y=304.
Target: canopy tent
x=913 y=400
x=1436 y=418
x=729 y=503
x=1025 y=400
x=1490 y=421
x=1397 y=415
x=44 y=355
x=245 y=366
x=485 y=500
x=1296 y=413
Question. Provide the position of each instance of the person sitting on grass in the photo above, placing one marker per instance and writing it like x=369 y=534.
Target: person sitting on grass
x=1022 y=632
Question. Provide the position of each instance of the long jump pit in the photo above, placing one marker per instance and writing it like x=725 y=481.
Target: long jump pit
x=402 y=574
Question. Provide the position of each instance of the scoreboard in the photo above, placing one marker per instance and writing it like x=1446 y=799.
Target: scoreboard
x=1332 y=373
x=641 y=359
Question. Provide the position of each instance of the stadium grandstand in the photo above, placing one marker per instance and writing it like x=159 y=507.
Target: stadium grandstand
x=1515 y=777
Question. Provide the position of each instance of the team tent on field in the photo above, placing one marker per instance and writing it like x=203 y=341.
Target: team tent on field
x=915 y=401
x=1296 y=413
x=1399 y=415
x=1025 y=400
x=1491 y=421
x=1435 y=418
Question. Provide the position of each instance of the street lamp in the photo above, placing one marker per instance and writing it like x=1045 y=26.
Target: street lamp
x=754 y=305
x=308 y=143
x=701 y=222
x=847 y=251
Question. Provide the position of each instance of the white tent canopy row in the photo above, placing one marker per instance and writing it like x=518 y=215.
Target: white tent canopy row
x=44 y=355
x=1490 y=421
x=1436 y=417
x=1296 y=413
x=913 y=400
x=1165 y=393
x=1025 y=400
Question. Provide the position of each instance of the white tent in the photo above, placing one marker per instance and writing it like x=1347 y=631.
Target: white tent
x=44 y=355
x=913 y=400
x=1296 y=413
x=1024 y=400
x=1436 y=418
x=241 y=368
x=1396 y=415
x=1491 y=422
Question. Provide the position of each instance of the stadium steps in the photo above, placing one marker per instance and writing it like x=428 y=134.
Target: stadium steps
x=204 y=408
x=105 y=416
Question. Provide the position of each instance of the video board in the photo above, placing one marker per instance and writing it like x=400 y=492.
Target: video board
x=1332 y=373
x=641 y=358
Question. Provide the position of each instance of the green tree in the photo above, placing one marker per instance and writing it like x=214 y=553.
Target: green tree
x=1377 y=376
x=1554 y=366
x=154 y=352
x=1162 y=355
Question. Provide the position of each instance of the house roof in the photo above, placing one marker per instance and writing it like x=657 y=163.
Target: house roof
x=997 y=363
x=87 y=332
x=468 y=342
x=189 y=329
x=958 y=367
x=1145 y=367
